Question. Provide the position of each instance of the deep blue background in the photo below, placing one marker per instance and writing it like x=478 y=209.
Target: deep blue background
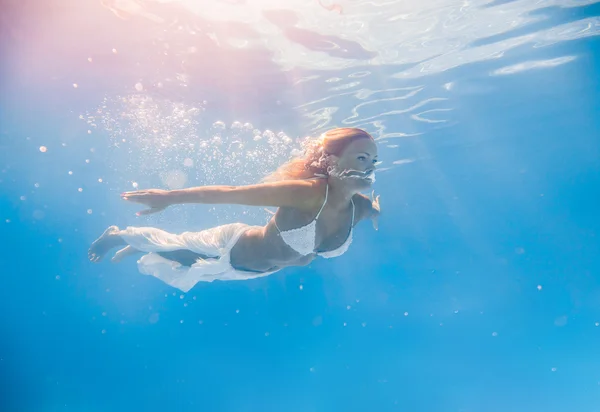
x=439 y=310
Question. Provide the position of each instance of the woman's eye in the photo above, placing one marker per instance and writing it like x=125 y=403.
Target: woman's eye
x=362 y=158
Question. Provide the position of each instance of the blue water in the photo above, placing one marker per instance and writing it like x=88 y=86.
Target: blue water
x=479 y=292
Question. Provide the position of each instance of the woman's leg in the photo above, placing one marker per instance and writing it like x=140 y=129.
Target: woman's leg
x=110 y=239
x=185 y=257
x=124 y=253
x=174 y=244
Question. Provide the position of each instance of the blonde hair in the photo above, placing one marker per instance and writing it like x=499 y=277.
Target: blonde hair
x=315 y=159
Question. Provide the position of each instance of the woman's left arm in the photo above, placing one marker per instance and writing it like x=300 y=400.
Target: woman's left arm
x=375 y=210
x=368 y=208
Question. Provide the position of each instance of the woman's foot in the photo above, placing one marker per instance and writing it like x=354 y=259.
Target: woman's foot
x=123 y=253
x=101 y=246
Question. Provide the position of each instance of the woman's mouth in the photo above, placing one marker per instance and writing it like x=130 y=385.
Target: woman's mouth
x=368 y=176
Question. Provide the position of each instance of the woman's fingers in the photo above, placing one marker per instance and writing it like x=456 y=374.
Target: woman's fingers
x=146 y=197
x=138 y=197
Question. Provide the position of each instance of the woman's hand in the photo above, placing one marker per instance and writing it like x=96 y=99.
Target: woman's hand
x=376 y=210
x=156 y=200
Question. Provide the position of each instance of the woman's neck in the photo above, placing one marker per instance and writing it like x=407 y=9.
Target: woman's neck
x=339 y=194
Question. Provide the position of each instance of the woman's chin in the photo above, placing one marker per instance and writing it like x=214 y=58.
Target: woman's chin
x=362 y=184
x=357 y=183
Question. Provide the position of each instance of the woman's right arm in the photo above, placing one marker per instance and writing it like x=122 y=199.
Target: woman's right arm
x=289 y=193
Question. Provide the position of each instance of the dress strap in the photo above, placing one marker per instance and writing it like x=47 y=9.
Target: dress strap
x=352 y=225
x=323 y=205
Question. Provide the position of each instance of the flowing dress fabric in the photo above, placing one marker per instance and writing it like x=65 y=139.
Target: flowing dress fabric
x=215 y=243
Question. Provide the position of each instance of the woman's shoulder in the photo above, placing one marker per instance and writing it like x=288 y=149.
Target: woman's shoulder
x=318 y=191
x=311 y=191
x=315 y=184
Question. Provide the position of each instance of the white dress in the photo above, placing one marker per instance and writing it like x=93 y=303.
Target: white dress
x=216 y=242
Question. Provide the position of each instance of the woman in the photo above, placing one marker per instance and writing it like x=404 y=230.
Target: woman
x=318 y=201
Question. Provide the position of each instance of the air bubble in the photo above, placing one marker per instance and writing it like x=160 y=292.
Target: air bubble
x=139 y=87
x=175 y=179
x=43 y=149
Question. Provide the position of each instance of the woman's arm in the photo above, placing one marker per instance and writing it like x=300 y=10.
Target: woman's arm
x=292 y=193
x=368 y=208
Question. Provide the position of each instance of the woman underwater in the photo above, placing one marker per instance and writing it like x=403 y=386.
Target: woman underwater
x=318 y=200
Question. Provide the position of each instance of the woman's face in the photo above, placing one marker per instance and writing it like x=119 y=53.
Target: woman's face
x=357 y=163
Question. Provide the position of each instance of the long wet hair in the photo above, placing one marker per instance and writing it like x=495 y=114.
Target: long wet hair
x=315 y=161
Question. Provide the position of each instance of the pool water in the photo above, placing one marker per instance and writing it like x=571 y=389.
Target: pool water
x=480 y=292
